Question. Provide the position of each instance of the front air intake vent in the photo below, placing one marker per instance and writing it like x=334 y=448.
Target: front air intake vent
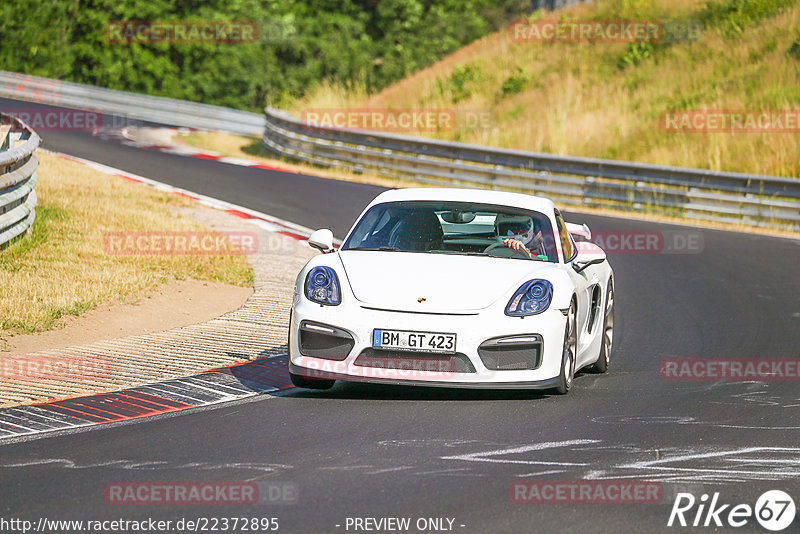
x=514 y=353
x=319 y=340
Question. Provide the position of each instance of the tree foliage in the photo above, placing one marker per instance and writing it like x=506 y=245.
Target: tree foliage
x=369 y=42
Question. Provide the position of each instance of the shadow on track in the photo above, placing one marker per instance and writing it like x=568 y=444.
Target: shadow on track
x=363 y=391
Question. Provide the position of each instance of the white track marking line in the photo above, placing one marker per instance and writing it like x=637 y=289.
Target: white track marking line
x=483 y=456
x=651 y=463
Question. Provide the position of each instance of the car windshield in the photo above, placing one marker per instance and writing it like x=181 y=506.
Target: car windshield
x=444 y=227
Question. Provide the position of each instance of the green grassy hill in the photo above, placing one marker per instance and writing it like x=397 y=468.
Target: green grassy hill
x=606 y=100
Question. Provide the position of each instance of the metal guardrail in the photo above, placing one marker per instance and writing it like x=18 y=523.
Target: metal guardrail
x=18 y=165
x=132 y=105
x=754 y=200
x=551 y=5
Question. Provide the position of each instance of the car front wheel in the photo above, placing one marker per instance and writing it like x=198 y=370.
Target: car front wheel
x=568 y=355
x=601 y=366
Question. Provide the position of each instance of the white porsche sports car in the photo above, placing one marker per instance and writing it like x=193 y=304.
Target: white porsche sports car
x=453 y=288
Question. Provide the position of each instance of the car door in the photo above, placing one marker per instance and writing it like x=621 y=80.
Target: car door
x=584 y=283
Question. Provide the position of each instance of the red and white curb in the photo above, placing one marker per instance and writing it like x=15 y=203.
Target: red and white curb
x=263 y=220
x=126 y=138
x=215 y=386
x=234 y=382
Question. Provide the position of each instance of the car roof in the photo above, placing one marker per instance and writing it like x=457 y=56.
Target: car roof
x=483 y=196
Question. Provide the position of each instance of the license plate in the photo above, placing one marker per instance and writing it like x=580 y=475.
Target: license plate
x=414 y=341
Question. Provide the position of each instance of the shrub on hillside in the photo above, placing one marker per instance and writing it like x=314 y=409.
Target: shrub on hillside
x=732 y=17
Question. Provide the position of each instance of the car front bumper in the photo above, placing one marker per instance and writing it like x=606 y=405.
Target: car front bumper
x=346 y=361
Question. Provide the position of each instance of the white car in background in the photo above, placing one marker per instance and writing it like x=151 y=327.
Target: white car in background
x=429 y=288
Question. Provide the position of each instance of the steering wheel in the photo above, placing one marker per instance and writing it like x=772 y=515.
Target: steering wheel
x=501 y=244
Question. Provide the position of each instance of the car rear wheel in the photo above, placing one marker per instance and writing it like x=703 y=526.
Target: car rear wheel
x=568 y=355
x=601 y=366
x=311 y=383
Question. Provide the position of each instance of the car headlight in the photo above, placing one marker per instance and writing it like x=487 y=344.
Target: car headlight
x=532 y=297
x=322 y=286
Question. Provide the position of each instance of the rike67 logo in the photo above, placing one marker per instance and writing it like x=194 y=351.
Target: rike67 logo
x=774 y=510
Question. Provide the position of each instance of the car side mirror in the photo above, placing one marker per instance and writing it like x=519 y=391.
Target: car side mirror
x=585 y=258
x=322 y=240
x=580 y=232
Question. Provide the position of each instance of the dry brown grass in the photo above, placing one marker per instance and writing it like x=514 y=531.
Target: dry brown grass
x=63 y=267
x=580 y=102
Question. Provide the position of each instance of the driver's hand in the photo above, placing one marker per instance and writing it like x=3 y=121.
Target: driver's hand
x=517 y=246
x=538 y=243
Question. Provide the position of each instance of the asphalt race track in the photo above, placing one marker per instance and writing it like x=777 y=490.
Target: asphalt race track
x=363 y=451
x=317 y=201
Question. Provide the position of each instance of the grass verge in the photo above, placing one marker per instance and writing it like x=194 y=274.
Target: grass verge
x=62 y=268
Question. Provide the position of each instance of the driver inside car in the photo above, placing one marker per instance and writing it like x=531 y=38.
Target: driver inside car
x=520 y=234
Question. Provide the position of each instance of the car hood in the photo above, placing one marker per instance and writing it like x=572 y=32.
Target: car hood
x=448 y=283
